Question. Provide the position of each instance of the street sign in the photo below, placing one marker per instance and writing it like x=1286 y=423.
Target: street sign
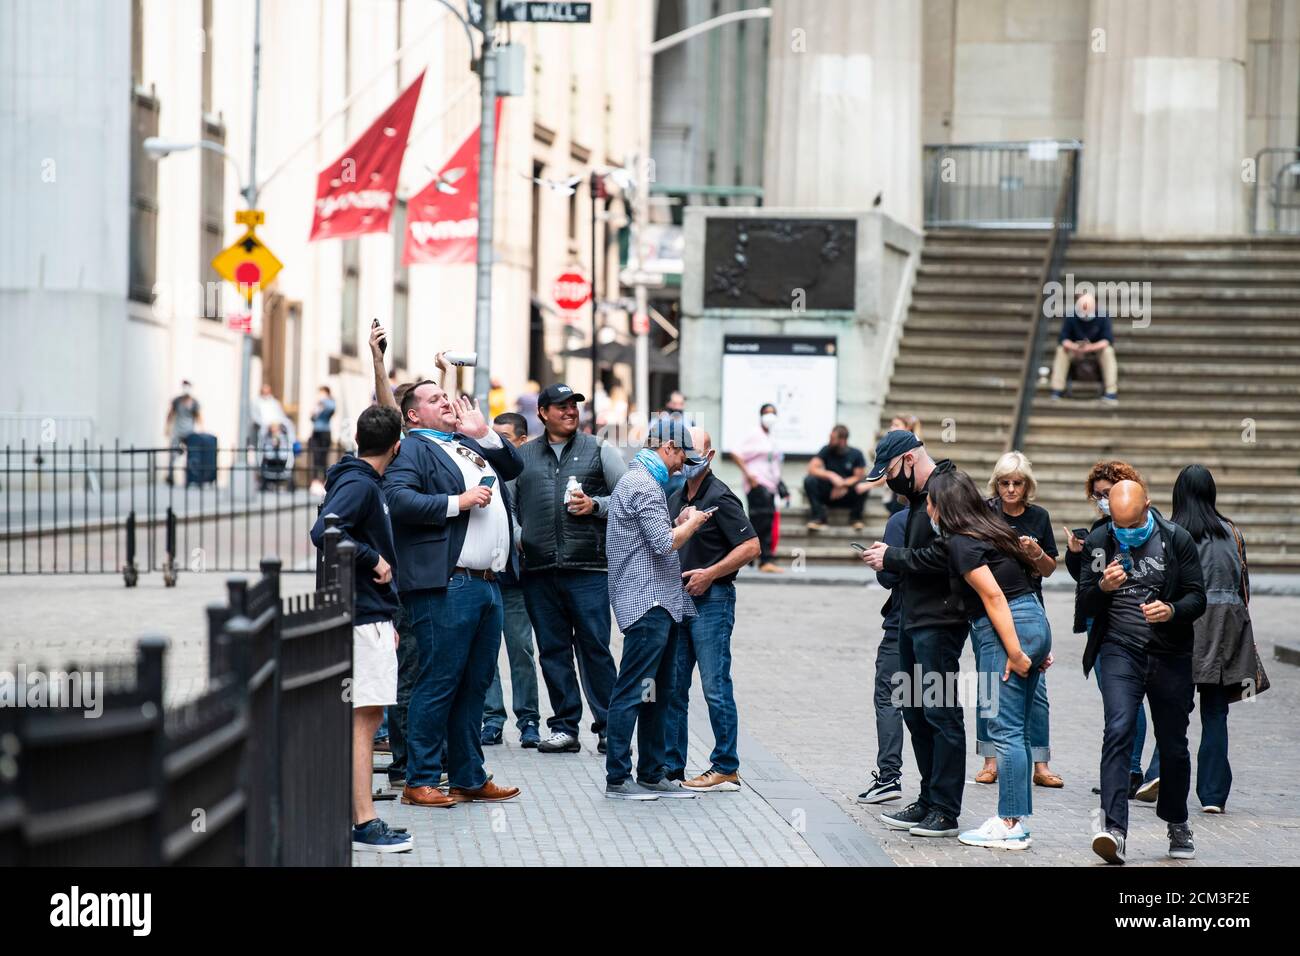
x=532 y=11
x=651 y=280
x=571 y=291
x=247 y=262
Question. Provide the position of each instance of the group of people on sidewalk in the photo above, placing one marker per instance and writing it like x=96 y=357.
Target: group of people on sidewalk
x=1163 y=602
x=468 y=531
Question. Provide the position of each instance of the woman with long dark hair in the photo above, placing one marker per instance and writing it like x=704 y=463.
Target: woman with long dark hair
x=992 y=578
x=1225 y=663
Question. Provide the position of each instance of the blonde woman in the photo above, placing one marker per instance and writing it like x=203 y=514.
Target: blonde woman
x=1012 y=487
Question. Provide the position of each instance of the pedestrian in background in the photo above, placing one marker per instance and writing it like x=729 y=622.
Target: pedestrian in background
x=319 y=443
x=886 y=779
x=710 y=561
x=517 y=629
x=1012 y=486
x=354 y=494
x=1225 y=662
x=759 y=460
x=649 y=600
x=184 y=419
x=835 y=480
x=562 y=501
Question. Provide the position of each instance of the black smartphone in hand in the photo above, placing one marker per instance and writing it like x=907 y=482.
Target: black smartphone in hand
x=383 y=342
x=1080 y=533
x=860 y=548
x=487 y=481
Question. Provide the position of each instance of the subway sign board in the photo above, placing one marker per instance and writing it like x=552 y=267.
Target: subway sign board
x=532 y=11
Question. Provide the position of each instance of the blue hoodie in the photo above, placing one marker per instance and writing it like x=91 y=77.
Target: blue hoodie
x=353 y=492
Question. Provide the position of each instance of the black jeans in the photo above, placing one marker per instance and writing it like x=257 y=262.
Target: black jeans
x=408 y=665
x=928 y=655
x=818 y=491
x=762 y=512
x=1166 y=682
x=889 y=719
x=319 y=446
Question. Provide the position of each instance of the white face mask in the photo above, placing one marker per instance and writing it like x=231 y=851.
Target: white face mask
x=934 y=526
x=1104 y=506
x=768 y=420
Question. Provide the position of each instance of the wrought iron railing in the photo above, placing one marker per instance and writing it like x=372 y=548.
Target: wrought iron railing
x=999 y=185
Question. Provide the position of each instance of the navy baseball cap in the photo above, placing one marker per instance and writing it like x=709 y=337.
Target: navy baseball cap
x=891 y=445
x=559 y=392
x=671 y=429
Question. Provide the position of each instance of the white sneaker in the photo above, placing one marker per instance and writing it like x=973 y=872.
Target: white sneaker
x=996 y=835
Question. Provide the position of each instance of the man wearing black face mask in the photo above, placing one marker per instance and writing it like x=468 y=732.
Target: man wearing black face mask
x=932 y=631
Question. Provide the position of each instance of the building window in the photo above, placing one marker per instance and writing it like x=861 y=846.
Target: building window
x=398 y=336
x=212 y=213
x=351 y=296
x=144 y=198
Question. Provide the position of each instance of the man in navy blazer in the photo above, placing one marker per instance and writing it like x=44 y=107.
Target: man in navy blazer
x=453 y=530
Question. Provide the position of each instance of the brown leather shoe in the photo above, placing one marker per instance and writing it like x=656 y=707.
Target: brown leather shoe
x=1048 y=778
x=426 y=797
x=986 y=776
x=488 y=793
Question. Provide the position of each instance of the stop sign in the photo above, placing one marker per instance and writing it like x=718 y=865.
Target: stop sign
x=571 y=291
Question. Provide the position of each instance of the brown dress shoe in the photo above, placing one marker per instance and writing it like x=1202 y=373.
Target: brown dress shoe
x=488 y=793
x=1047 y=778
x=426 y=797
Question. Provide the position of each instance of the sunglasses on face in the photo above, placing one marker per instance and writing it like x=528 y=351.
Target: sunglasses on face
x=1011 y=483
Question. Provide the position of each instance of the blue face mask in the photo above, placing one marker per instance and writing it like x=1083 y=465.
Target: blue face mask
x=445 y=436
x=691 y=472
x=653 y=464
x=1135 y=537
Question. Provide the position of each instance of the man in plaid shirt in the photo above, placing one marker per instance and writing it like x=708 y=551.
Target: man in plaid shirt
x=649 y=601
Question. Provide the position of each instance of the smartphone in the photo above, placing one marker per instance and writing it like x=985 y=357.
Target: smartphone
x=487 y=481
x=1080 y=533
x=857 y=547
x=709 y=511
x=383 y=342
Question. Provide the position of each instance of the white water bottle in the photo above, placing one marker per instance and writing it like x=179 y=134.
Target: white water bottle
x=572 y=486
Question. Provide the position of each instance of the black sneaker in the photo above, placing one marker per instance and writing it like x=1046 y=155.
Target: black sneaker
x=601 y=745
x=1109 y=845
x=936 y=824
x=906 y=818
x=1180 y=841
x=881 y=791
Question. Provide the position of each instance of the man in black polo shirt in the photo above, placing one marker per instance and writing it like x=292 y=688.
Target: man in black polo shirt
x=834 y=480
x=710 y=561
x=1085 y=332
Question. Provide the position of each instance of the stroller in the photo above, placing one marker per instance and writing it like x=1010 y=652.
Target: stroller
x=275 y=457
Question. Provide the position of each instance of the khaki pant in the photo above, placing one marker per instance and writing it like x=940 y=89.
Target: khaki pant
x=1109 y=369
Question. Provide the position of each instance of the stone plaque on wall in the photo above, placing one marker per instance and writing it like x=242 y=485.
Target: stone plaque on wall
x=765 y=264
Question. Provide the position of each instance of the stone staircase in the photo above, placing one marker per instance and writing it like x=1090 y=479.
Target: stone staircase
x=1219 y=363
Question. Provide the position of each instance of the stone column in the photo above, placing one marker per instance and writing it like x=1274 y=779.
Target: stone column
x=1165 y=119
x=844 y=106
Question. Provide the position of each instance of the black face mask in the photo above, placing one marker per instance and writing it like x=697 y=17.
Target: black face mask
x=902 y=484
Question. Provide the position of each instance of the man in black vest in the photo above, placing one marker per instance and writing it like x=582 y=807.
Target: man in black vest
x=566 y=587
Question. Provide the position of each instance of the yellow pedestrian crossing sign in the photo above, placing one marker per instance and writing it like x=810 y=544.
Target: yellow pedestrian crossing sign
x=247 y=262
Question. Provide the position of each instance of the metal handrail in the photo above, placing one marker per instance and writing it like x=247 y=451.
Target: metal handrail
x=998 y=185
x=1053 y=257
x=1292 y=167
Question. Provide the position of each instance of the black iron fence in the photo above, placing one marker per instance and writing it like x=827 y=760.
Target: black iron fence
x=256 y=771
x=999 y=185
x=131 y=511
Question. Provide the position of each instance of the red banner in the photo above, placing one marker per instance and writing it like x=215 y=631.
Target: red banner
x=354 y=195
x=442 y=218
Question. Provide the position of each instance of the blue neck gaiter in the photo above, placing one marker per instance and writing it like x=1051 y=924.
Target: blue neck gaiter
x=1135 y=537
x=445 y=436
x=653 y=464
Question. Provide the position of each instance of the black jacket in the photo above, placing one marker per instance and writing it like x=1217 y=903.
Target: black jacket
x=418 y=483
x=1184 y=588
x=1074 y=564
x=354 y=493
x=926 y=587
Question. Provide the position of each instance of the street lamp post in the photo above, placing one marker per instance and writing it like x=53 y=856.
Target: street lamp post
x=645 y=88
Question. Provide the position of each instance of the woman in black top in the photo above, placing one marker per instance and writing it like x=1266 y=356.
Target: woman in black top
x=992 y=575
x=1225 y=663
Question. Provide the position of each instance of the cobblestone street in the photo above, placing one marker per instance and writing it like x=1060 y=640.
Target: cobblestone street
x=803 y=660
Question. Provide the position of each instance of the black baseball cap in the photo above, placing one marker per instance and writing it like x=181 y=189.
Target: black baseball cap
x=891 y=445
x=670 y=429
x=559 y=392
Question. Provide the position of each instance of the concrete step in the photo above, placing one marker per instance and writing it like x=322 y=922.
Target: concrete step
x=918 y=342
x=1162 y=292
x=1017 y=326
x=1195 y=275
x=1176 y=406
x=1173 y=311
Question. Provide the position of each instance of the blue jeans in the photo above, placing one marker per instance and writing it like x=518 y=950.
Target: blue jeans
x=518 y=635
x=1213 y=772
x=1009 y=725
x=1139 y=734
x=382 y=730
x=642 y=690
x=706 y=639
x=1166 y=682
x=983 y=643
x=458 y=632
x=570 y=613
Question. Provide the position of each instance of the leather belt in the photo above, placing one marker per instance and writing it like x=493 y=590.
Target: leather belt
x=486 y=575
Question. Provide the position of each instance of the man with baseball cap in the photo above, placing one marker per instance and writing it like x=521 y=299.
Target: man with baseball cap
x=932 y=631
x=650 y=601
x=562 y=498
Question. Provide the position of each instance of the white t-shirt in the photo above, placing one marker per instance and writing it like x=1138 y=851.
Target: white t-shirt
x=487 y=539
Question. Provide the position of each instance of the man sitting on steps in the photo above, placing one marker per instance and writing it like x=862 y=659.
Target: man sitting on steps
x=1084 y=333
x=835 y=480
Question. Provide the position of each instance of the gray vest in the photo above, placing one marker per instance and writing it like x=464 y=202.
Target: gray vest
x=552 y=537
